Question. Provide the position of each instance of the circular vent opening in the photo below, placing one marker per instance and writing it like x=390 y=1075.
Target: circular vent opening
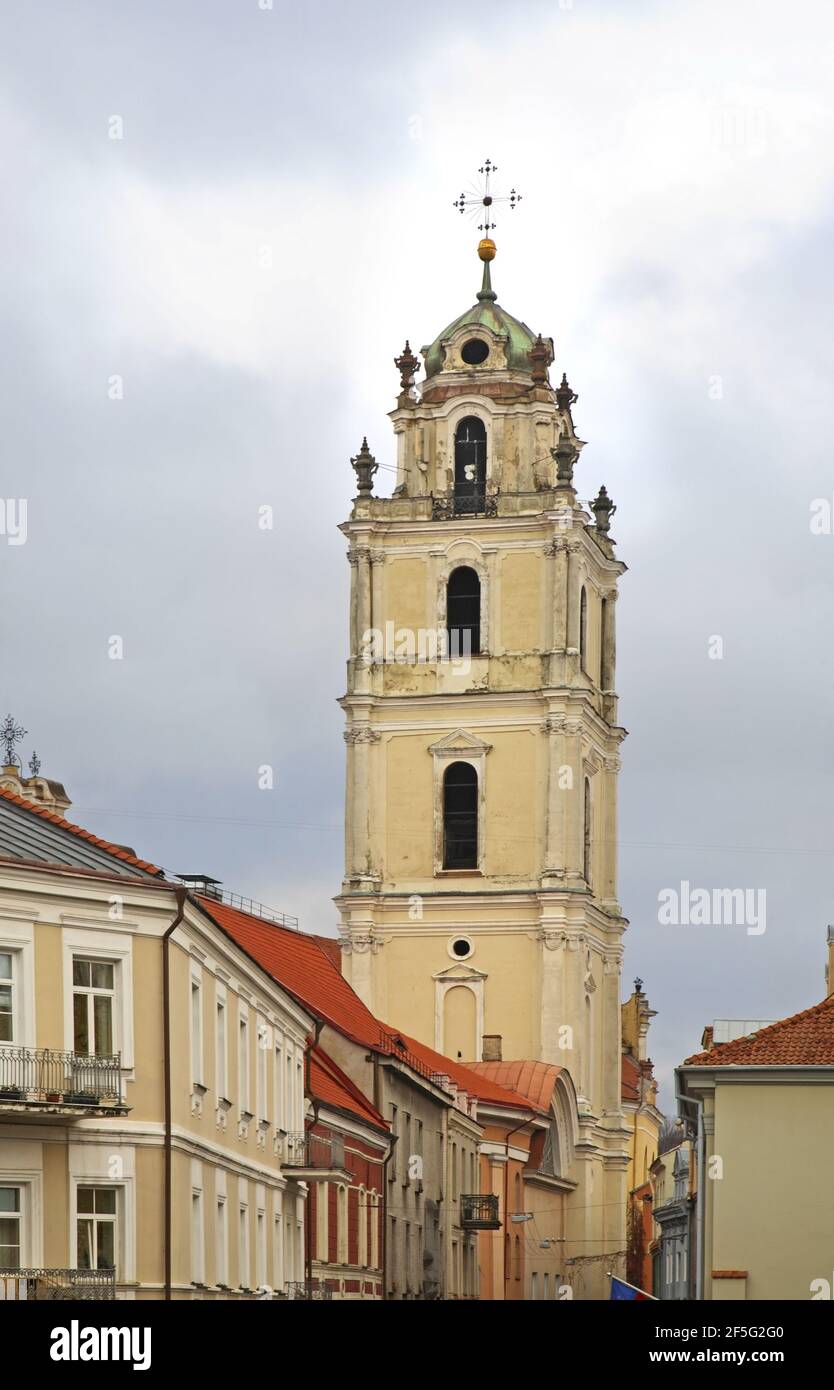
x=461 y=947
x=475 y=352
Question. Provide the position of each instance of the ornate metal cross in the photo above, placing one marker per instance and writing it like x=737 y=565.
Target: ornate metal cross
x=483 y=200
x=10 y=734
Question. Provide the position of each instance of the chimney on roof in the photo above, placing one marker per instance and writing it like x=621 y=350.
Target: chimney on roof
x=829 y=969
x=491 y=1047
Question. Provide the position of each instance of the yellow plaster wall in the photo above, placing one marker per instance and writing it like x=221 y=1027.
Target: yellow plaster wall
x=408 y=808
x=772 y=1209
x=404 y=600
x=521 y=596
x=49 y=986
x=511 y=824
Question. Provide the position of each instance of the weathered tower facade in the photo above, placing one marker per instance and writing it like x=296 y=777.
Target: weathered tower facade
x=479 y=907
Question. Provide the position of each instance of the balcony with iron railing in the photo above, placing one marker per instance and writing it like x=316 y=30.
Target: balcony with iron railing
x=471 y=501
x=479 y=1211
x=315 y=1157
x=40 y=1081
x=42 y=1285
x=308 y=1291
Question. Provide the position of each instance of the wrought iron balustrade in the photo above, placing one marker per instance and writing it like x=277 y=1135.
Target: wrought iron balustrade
x=308 y=1291
x=479 y=1211
x=307 y=1150
x=477 y=502
x=41 y=1285
x=41 y=1076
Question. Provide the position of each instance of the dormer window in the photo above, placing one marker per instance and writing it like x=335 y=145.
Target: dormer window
x=474 y=352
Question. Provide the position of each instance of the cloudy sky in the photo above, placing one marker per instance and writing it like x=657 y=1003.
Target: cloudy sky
x=246 y=260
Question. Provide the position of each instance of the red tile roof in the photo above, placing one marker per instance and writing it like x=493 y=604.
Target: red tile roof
x=330 y=1086
x=331 y=948
x=534 y=1081
x=472 y=1078
x=630 y=1078
x=118 y=851
x=803 y=1040
x=298 y=962
x=301 y=964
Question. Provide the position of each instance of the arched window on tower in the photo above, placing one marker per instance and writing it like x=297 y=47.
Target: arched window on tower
x=583 y=629
x=460 y=817
x=586 y=834
x=604 y=640
x=463 y=612
x=470 y=465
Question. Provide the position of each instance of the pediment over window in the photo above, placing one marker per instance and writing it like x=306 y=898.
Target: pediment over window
x=460 y=744
x=461 y=973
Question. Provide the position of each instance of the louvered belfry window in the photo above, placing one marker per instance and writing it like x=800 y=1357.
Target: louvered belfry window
x=470 y=465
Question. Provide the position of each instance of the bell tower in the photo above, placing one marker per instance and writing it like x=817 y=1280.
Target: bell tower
x=479 y=906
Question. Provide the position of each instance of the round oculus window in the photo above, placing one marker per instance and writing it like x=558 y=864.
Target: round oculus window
x=474 y=352
x=461 y=948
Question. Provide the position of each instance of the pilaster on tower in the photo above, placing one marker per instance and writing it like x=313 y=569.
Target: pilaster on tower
x=480 y=888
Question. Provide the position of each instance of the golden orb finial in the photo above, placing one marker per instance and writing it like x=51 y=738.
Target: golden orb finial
x=487 y=249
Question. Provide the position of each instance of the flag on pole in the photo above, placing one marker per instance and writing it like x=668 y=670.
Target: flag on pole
x=620 y=1289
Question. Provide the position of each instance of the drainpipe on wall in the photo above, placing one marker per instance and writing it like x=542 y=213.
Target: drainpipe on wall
x=508 y=1262
x=700 y=1195
x=181 y=897
x=377 y=1094
x=308 y=1092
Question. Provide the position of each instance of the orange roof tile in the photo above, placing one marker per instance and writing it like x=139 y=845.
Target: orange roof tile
x=630 y=1079
x=331 y=948
x=330 y=1086
x=298 y=962
x=804 y=1040
x=471 y=1077
x=117 y=851
x=533 y=1080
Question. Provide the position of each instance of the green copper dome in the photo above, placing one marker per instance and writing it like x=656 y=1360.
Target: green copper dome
x=487 y=313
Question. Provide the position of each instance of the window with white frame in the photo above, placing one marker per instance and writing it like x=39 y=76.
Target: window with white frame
x=7 y=997
x=243 y=1064
x=342 y=1223
x=243 y=1246
x=374 y=1230
x=221 y=1243
x=198 y=1251
x=289 y=1251
x=93 y=1006
x=221 y=1049
x=322 y=1200
x=289 y=1106
x=11 y=1227
x=278 y=1278
x=278 y=1083
x=263 y=1044
x=260 y=1249
x=96 y=1227
x=364 y=1217
x=196 y=1031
